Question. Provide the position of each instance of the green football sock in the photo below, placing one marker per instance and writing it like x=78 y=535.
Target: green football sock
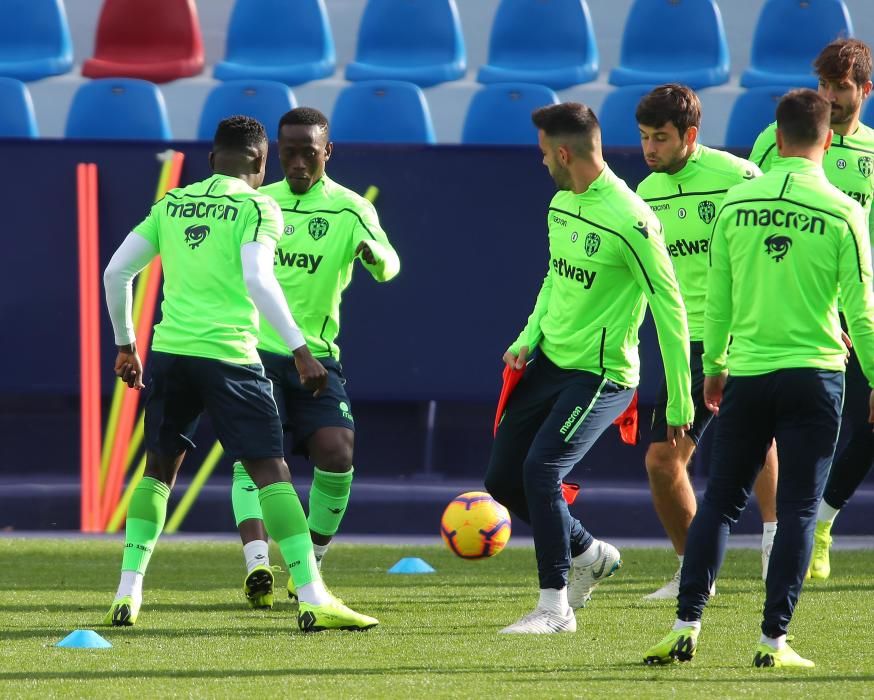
x=244 y=496
x=329 y=496
x=145 y=520
x=286 y=523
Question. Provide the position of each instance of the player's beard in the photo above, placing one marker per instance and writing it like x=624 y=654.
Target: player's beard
x=843 y=115
x=561 y=177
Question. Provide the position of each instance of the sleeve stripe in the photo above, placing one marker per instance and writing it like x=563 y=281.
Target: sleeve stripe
x=258 y=225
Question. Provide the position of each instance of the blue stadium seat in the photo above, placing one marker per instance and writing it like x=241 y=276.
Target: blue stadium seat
x=868 y=112
x=753 y=110
x=549 y=42
x=289 y=42
x=266 y=100
x=789 y=35
x=418 y=41
x=501 y=113
x=618 y=123
x=17 y=120
x=118 y=108
x=382 y=111
x=34 y=39
x=673 y=41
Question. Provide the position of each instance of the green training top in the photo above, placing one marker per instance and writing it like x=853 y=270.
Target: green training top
x=686 y=204
x=198 y=230
x=848 y=163
x=781 y=245
x=607 y=257
x=313 y=261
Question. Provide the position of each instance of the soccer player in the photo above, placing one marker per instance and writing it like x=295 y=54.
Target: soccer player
x=844 y=70
x=326 y=227
x=781 y=247
x=216 y=239
x=685 y=189
x=607 y=259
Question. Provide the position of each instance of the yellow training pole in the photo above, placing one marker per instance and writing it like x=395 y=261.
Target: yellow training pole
x=194 y=490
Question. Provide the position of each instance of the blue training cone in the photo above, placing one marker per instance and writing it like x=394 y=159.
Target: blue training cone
x=84 y=639
x=412 y=565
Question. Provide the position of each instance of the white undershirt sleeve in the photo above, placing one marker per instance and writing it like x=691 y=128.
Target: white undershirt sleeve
x=134 y=253
x=267 y=294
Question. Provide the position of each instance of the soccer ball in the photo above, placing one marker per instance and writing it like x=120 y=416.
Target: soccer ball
x=475 y=526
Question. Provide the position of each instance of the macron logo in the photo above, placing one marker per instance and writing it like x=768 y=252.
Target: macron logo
x=565 y=269
x=570 y=420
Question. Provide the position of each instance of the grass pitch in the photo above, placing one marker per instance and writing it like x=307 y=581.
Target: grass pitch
x=438 y=637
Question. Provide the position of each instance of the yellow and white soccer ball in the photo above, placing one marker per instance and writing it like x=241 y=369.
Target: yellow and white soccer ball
x=475 y=526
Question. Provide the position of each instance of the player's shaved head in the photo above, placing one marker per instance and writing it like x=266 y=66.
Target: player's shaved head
x=571 y=123
x=803 y=118
x=845 y=58
x=672 y=103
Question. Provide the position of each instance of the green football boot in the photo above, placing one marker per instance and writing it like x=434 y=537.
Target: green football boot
x=820 y=567
x=333 y=615
x=768 y=657
x=678 y=645
x=123 y=613
x=258 y=588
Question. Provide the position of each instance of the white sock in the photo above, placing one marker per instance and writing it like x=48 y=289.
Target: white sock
x=775 y=643
x=255 y=554
x=681 y=557
x=590 y=556
x=768 y=532
x=554 y=600
x=313 y=593
x=131 y=584
x=681 y=624
x=320 y=550
x=826 y=513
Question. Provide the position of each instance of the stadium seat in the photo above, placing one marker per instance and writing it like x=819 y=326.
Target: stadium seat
x=17 y=120
x=34 y=39
x=290 y=42
x=618 y=124
x=418 y=41
x=673 y=41
x=156 y=41
x=266 y=100
x=549 y=42
x=789 y=35
x=501 y=113
x=382 y=111
x=753 y=110
x=118 y=108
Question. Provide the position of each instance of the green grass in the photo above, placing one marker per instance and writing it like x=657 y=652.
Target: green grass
x=438 y=636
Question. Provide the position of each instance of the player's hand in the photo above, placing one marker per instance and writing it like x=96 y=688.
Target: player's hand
x=713 y=388
x=516 y=361
x=366 y=253
x=129 y=367
x=845 y=339
x=677 y=433
x=313 y=375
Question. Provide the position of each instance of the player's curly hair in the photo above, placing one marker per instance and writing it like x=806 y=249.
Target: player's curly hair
x=845 y=57
x=672 y=103
x=239 y=133
x=307 y=116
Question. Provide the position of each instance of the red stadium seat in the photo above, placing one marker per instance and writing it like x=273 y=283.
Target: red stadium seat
x=156 y=41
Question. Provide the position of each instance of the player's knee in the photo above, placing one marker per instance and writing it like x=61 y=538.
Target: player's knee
x=335 y=457
x=664 y=464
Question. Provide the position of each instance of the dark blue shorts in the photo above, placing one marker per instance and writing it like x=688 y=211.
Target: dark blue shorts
x=301 y=413
x=238 y=399
x=702 y=415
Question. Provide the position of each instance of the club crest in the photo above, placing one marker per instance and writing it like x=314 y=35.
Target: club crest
x=318 y=227
x=593 y=242
x=706 y=210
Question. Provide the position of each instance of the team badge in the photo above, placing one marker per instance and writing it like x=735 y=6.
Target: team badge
x=289 y=229
x=196 y=234
x=777 y=246
x=593 y=242
x=866 y=166
x=841 y=163
x=318 y=227
x=681 y=213
x=706 y=210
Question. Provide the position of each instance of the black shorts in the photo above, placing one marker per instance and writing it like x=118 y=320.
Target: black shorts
x=238 y=399
x=702 y=415
x=300 y=412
